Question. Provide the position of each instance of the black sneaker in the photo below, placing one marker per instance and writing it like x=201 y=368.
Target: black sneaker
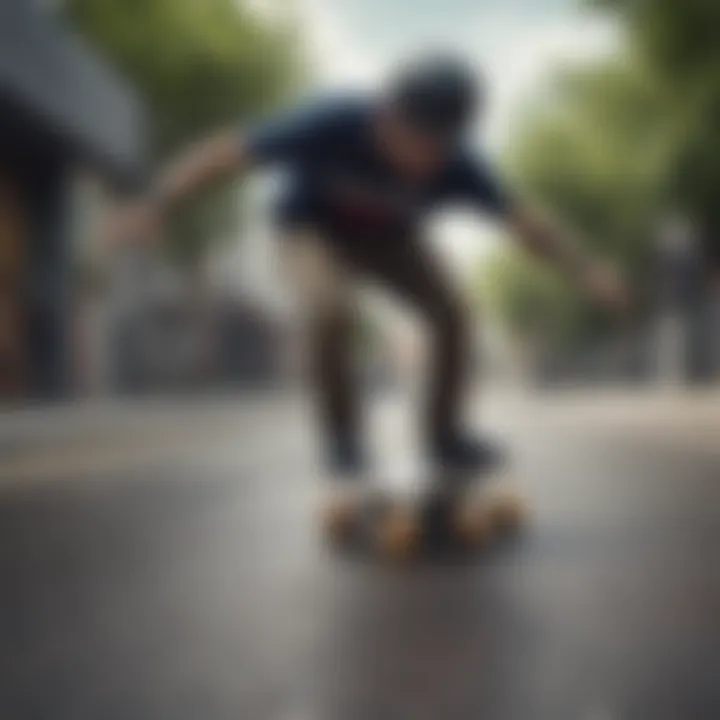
x=468 y=454
x=346 y=459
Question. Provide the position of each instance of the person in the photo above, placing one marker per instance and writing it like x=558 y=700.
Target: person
x=363 y=173
x=679 y=285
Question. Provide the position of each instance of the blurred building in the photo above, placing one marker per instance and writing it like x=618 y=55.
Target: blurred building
x=178 y=338
x=66 y=123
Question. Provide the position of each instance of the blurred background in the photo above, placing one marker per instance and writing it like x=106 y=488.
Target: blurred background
x=156 y=462
x=604 y=112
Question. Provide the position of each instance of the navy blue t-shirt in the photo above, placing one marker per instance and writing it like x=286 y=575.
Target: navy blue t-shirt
x=339 y=181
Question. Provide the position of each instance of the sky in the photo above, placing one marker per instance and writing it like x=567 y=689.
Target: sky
x=515 y=43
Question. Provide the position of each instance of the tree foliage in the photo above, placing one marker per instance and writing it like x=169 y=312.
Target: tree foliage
x=196 y=64
x=678 y=42
x=613 y=145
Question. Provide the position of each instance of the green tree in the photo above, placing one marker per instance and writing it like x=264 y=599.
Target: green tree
x=592 y=151
x=196 y=65
x=678 y=42
x=612 y=145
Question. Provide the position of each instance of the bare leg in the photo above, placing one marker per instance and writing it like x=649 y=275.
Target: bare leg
x=326 y=300
x=408 y=268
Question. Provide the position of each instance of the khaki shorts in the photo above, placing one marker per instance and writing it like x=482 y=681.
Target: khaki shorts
x=319 y=280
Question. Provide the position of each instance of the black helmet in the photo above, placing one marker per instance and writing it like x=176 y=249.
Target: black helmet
x=437 y=95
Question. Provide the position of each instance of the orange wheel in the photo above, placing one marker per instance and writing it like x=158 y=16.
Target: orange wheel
x=473 y=521
x=509 y=511
x=337 y=517
x=398 y=533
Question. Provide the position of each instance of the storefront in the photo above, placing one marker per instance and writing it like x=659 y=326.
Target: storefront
x=63 y=115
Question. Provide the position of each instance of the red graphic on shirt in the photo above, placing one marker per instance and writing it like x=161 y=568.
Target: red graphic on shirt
x=370 y=205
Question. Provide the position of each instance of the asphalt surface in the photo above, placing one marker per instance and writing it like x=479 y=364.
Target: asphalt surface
x=162 y=562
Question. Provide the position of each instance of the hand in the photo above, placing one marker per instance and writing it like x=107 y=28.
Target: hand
x=138 y=222
x=603 y=284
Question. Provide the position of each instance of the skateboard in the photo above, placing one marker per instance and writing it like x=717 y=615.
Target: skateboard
x=442 y=515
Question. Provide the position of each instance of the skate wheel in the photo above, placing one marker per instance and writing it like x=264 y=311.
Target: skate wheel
x=473 y=523
x=337 y=519
x=398 y=534
x=509 y=511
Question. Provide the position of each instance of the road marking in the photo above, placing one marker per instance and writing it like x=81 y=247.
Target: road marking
x=97 y=456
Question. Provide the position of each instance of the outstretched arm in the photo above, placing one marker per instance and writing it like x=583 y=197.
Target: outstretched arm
x=216 y=158
x=550 y=241
x=295 y=136
x=542 y=237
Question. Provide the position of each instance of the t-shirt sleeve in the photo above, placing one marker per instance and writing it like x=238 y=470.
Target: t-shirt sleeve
x=299 y=134
x=474 y=182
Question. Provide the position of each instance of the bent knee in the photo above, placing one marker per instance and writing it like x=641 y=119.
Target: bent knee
x=320 y=284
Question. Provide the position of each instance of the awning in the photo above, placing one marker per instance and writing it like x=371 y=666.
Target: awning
x=50 y=72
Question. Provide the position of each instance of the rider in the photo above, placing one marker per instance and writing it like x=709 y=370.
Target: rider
x=364 y=172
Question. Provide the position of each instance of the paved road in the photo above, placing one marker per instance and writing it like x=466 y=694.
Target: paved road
x=159 y=561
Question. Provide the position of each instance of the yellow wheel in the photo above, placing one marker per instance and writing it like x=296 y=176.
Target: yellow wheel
x=337 y=517
x=398 y=533
x=473 y=521
x=508 y=510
